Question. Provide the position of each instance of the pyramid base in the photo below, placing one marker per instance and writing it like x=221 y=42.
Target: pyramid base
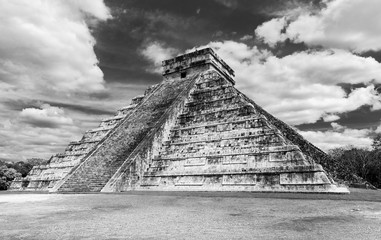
x=32 y=185
x=329 y=189
x=313 y=181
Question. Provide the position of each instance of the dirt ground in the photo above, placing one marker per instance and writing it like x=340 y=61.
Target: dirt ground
x=191 y=215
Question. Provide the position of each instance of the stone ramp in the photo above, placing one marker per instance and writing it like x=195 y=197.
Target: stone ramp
x=93 y=174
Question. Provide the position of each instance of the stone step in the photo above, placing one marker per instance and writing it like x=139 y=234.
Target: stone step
x=212 y=91
x=237 y=119
x=220 y=137
x=221 y=99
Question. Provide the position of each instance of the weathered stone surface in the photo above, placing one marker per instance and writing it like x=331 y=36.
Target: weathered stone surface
x=192 y=132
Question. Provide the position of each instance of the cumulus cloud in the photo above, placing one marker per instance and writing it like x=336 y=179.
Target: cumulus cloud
x=339 y=136
x=156 y=52
x=47 y=55
x=20 y=141
x=37 y=132
x=246 y=37
x=330 y=117
x=95 y=8
x=237 y=53
x=346 y=24
x=47 y=116
x=271 y=32
x=302 y=87
x=47 y=45
x=378 y=129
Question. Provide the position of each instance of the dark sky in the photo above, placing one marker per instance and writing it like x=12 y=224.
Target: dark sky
x=178 y=24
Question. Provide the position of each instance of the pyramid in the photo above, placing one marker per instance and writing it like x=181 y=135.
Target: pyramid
x=192 y=132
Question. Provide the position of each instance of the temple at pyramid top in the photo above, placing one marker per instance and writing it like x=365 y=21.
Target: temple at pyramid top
x=190 y=61
x=194 y=131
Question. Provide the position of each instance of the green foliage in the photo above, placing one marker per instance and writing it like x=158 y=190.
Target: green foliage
x=351 y=163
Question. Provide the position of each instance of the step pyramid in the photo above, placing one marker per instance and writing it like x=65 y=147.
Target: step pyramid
x=195 y=132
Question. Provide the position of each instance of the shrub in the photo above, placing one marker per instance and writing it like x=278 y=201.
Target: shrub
x=6 y=176
x=11 y=170
x=350 y=163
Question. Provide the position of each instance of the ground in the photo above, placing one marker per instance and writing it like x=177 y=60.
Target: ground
x=197 y=215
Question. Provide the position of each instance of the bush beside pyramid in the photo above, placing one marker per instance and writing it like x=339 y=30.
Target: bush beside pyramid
x=193 y=132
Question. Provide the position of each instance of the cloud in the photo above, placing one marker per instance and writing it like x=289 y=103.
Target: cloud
x=377 y=103
x=378 y=129
x=22 y=141
x=330 y=117
x=246 y=37
x=347 y=24
x=47 y=45
x=271 y=31
x=156 y=52
x=95 y=8
x=46 y=117
x=47 y=56
x=337 y=127
x=302 y=87
x=37 y=132
x=238 y=54
x=339 y=136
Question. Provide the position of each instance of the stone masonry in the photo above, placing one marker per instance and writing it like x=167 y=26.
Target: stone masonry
x=193 y=132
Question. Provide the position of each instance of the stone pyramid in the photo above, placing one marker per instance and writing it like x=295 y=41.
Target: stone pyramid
x=192 y=132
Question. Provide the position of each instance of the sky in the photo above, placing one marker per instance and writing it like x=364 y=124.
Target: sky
x=67 y=64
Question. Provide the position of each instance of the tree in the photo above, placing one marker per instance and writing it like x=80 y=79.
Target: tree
x=36 y=161
x=377 y=142
x=11 y=170
x=374 y=173
x=3 y=183
x=22 y=167
x=355 y=165
x=6 y=176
